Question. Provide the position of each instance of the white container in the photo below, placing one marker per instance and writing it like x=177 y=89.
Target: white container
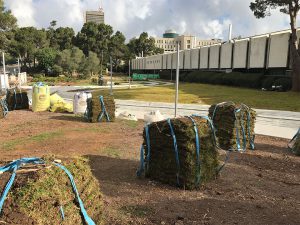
x=153 y=116
x=4 y=81
x=79 y=103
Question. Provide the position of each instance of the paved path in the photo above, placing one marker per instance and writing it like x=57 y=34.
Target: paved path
x=269 y=122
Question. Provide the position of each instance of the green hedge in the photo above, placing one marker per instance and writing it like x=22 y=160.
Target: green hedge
x=250 y=80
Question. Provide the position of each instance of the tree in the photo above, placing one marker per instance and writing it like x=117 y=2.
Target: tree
x=143 y=44
x=7 y=23
x=117 y=49
x=70 y=60
x=46 y=58
x=91 y=65
x=262 y=8
x=61 y=38
x=26 y=42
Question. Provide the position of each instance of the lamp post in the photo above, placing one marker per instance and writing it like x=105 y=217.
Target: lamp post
x=177 y=80
x=129 y=77
x=111 y=83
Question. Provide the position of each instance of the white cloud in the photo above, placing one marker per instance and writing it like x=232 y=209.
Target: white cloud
x=205 y=19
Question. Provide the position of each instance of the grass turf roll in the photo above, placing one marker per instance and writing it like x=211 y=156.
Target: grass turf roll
x=95 y=109
x=234 y=125
x=294 y=144
x=17 y=99
x=37 y=196
x=162 y=165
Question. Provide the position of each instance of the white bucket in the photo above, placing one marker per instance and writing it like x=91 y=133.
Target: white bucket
x=79 y=103
x=153 y=116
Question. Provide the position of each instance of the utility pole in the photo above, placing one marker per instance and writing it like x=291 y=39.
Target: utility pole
x=19 y=68
x=129 y=77
x=177 y=80
x=111 y=82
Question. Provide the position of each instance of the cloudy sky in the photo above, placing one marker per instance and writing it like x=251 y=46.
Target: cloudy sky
x=203 y=18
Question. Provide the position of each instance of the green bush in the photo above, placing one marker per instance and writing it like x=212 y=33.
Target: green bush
x=251 y=80
x=285 y=83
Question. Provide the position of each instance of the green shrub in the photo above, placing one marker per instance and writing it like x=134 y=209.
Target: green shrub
x=285 y=83
x=251 y=80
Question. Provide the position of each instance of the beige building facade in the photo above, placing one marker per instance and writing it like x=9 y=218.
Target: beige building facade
x=94 y=16
x=169 y=41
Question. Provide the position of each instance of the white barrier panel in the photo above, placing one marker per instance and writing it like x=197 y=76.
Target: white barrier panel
x=214 y=55
x=195 y=58
x=204 y=57
x=226 y=56
x=187 y=59
x=181 y=58
x=165 y=60
x=279 y=49
x=258 y=51
x=169 y=62
x=240 y=53
x=174 y=60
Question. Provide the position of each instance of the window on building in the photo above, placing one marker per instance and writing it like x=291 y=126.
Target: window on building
x=189 y=41
x=188 y=46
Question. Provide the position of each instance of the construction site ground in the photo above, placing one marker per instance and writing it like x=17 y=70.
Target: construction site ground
x=255 y=187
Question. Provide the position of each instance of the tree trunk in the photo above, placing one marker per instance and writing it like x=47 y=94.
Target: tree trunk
x=295 y=52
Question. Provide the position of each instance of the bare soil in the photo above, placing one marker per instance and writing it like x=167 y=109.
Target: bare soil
x=256 y=187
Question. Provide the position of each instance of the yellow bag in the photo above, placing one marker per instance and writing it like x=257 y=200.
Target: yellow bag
x=61 y=107
x=40 y=97
x=54 y=98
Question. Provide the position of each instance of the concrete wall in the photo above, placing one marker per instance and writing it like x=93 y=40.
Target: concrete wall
x=279 y=49
x=174 y=60
x=258 y=51
x=226 y=56
x=169 y=64
x=187 y=59
x=214 y=55
x=165 y=60
x=195 y=58
x=181 y=60
x=204 y=57
x=240 y=53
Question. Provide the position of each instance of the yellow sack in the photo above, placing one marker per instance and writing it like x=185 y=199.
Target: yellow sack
x=61 y=107
x=54 y=98
x=40 y=97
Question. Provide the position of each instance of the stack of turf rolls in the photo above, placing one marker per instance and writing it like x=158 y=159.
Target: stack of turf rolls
x=17 y=99
x=3 y=107
x=234 y=125
x=171 y=154
x=100 y=109
x=294 y=144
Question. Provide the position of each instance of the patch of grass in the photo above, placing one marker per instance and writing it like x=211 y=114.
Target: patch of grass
x=11 y=144
x=130 y=123
x=112 y=152
x=191 y=93
x=136 y=210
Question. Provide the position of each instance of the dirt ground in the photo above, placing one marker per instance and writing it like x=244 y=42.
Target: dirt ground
x=256 y=187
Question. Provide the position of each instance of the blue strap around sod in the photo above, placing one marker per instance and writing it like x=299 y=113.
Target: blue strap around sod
x=103 y=112
x=175 y=150
x=15 y=165
x=86 y=217
x=198 y=146
x=251 y=139
x=142 y=153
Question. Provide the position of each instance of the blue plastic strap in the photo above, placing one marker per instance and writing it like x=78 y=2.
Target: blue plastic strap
x=62 y=213
x=175 y=150
x=103 y=112
x=198 y=163
x=251 y=139
x=211 y=125
x=238 y=145
x=86 y=217
x=148 y=145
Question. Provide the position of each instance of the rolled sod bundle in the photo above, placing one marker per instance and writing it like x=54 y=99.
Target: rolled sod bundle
x=17 y=99
x=234 y=125
x=43 y=193
x=294 y=144
x=171 y=154
x=3 y=107
x=100 y=109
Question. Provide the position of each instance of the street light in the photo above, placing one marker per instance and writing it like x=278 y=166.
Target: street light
x=177 y=80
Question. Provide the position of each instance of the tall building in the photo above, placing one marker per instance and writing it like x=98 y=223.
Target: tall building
x=95 y=16
x=170 y=38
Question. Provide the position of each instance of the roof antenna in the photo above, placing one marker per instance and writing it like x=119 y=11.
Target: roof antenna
x=101 y=6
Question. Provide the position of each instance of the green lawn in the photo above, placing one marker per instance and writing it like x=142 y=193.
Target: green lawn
x=209 y=94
